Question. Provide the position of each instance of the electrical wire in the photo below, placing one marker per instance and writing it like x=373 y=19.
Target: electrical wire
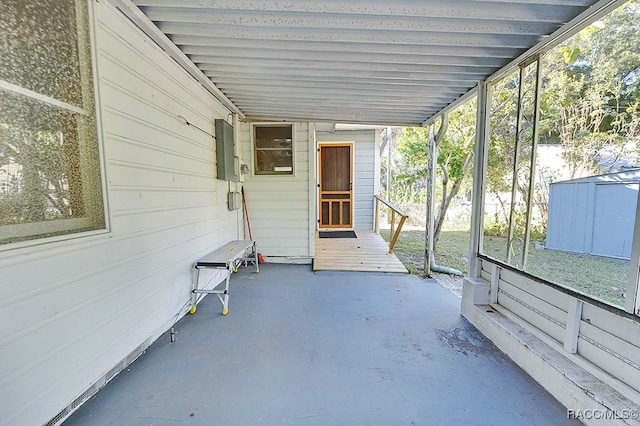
x=185 y=121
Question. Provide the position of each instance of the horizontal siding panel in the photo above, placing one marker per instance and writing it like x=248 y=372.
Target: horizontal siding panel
x=116 y=42
x=92 y=278
x=536 y=303
x=279 y=213
x=177 y=140
x=259 y=192
x=548 y=327
x=262 y=221
x=293 y=242
x=614 y=344
x=290 y=248
x=302 y=157
x=80 y=301
x=607 y=340
x=96 y=331
x=277 y=207
x=122 y=79
x=87 y=257
x=146 y=199
x=612 y=324
x=129 y=222
x=611 y=364
x=297 y=228
x=486 y=266
x=147 y=127
x=485 y=275
x=127 y=103
x=542 y=291
x=124 y=175
x=24 y=310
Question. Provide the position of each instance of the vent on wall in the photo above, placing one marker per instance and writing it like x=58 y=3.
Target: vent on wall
x=101 y=382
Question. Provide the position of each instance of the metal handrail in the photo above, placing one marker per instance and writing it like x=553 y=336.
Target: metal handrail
x=393 y=233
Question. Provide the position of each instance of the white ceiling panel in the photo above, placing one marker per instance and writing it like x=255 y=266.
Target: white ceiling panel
x=374 y=61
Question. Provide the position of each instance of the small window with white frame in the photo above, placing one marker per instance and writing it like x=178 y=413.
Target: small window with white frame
x=273 y=149
x=50 y=175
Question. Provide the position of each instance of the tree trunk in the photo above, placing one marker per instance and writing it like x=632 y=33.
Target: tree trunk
x=446 y=201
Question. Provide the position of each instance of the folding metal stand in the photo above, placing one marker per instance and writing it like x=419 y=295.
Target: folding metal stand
x=227 y=258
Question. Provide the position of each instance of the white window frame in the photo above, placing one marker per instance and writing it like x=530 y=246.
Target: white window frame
x=29 y=234
x=254 y=164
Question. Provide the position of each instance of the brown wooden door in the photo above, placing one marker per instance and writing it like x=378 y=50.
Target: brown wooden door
x=336 y=185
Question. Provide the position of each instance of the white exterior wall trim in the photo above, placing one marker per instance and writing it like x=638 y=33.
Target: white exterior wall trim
x=563 y=376
x=313 y=186
x=587 y=351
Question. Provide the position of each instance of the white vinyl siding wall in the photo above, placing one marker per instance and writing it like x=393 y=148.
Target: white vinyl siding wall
x=73 y=310
x=365 y=166
x=278 y=205
x=609 y=342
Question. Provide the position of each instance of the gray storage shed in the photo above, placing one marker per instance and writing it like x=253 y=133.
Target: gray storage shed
x=594 y=215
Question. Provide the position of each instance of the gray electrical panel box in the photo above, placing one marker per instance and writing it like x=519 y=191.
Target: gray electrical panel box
x=226 y=164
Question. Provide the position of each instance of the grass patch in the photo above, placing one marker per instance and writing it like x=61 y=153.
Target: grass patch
x=602 y=277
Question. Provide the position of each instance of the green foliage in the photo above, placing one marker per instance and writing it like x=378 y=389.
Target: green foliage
x=570 y=54
x=591 y=91
x=455 y=146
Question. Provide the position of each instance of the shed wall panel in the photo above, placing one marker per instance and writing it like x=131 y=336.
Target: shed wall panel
x=570 y=216
x=594 y=215
x=91 y=301
x=614 y=219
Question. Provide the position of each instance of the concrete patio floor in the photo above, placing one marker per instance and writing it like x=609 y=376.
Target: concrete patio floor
x=329 y=348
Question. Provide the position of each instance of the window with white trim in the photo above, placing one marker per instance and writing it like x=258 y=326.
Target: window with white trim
x=273 y=149
x=50 y=179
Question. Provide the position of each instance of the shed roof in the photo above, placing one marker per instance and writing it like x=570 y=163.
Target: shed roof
x=627 y=176
x=360 y=61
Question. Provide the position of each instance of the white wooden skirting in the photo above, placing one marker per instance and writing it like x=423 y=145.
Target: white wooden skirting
x=607 y=343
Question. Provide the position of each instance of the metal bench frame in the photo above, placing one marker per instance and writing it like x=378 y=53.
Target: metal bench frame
x=227 y=258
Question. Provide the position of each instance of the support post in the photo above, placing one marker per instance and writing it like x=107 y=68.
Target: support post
x=532 y=164
x=376 y=216
x=572 y=331
x=479 y=179
x=392 y=230
x=514 y=185
x=495 y=284
x=632 y=300
x=389 y=146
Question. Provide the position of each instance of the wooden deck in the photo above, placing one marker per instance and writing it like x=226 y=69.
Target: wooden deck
x=367 y=253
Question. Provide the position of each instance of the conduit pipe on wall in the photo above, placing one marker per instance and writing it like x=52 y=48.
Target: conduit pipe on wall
x=442 y=269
